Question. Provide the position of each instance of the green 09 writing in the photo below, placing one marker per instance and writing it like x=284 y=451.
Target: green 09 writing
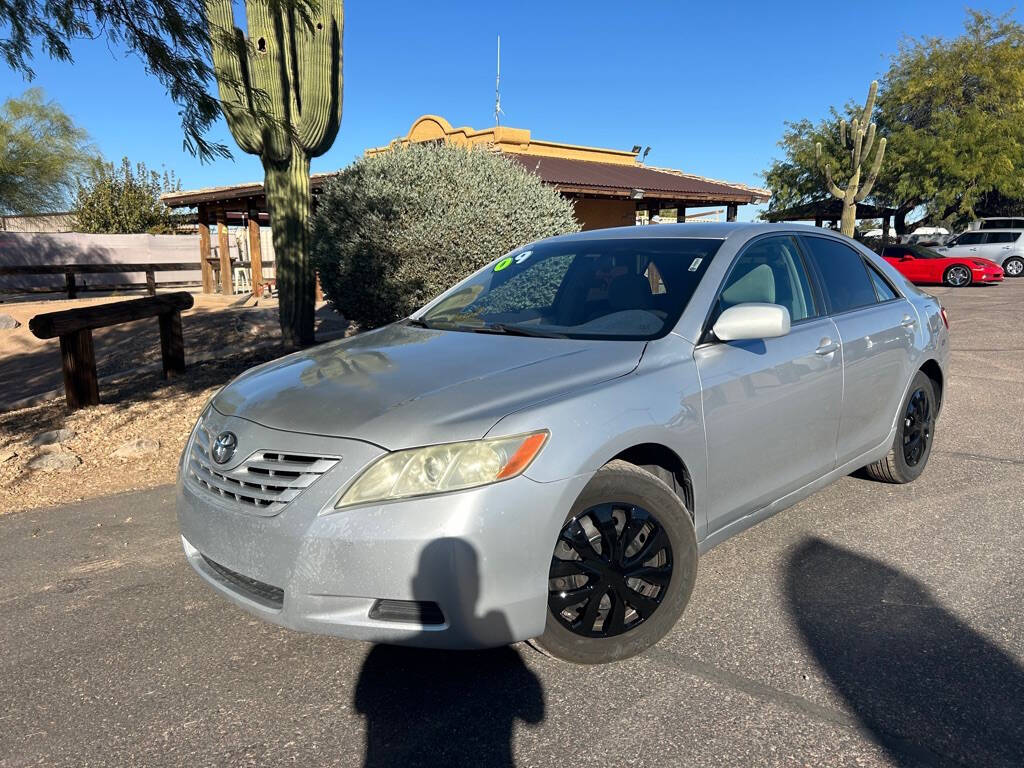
x=510 y=260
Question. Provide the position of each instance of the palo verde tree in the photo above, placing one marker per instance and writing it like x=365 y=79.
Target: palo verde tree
x=43 y=155
x=281 y=93
x=861 y=139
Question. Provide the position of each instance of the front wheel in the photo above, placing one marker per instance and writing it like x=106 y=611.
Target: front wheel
x=623 y=568
x=912 y=445
x=957 y=276
x=1014 y=266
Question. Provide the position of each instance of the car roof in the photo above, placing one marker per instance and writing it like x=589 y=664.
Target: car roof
x=703 y=230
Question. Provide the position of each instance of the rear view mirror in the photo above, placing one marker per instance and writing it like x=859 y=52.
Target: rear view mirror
x=906 y=257
x=752 y=321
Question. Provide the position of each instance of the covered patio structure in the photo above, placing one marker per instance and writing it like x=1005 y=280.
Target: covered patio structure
x=831 y=210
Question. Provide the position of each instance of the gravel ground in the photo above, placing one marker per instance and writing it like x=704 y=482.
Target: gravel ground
x=870 y=625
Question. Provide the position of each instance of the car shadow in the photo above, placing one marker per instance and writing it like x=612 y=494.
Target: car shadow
x=450 y=708
x=930 y=688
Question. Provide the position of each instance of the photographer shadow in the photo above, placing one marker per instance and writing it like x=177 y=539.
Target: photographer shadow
x=439 y=707
x=930 y=688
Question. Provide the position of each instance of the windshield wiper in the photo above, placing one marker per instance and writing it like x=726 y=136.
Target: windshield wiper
x=517 y=330
x=416 y=322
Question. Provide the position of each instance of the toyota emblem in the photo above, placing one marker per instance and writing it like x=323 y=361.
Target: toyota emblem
x=224 y=447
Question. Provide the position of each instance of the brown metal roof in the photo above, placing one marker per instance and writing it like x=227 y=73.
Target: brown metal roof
x=568 y=175
x=619 y=180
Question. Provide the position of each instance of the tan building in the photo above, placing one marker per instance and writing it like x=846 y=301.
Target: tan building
x=609 y=187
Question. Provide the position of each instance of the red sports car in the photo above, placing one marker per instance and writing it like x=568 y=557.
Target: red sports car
x=922 y=265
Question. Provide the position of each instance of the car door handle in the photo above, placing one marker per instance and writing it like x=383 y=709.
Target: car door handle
x=826 y=347
x=908 y=321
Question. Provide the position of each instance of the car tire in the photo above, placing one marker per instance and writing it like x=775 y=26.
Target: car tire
x=907 y=457
x=1013 y=266
x=636 y=511
x=957 y=276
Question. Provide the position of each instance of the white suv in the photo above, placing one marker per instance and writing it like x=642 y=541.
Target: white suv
x=1003 y=246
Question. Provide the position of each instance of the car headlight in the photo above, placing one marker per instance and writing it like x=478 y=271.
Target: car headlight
x=442 y=468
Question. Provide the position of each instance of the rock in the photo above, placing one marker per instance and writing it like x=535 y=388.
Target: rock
x=142 y=446
x=7 y=455
x=53 y=437
x=8 y=323
x=55 y=462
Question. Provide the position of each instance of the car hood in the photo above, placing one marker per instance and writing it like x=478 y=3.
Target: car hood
x=402 y=386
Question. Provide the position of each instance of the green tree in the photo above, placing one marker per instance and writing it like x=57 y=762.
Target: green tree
x=953 y=111
x=43 y=155
x=125 y=200
x=170 y=37
x=397 y=228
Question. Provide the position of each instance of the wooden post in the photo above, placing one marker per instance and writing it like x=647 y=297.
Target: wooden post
x=681 y=217
x=224 y=247
x=255 y=254
x=79 y=363
x=730 y=212
x=69 y=283
x=151 y=282
x=172 y=344
x=885 y=230
x=204 y=251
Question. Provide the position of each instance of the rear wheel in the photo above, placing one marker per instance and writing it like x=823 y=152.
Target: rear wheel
x=1014 y=266
x=623 y=568
x=912 y=445
x=957 y=276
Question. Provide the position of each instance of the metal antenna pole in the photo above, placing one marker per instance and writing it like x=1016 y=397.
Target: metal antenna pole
x=498 y=112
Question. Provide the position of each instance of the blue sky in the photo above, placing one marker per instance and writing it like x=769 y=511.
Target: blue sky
x=706 y=85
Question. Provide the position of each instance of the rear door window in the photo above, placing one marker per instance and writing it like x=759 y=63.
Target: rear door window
x=1001 y=237
x=883 y=290
x=843 y=272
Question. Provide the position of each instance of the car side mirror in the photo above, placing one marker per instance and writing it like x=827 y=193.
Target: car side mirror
x=752 y=321
x=906 y=257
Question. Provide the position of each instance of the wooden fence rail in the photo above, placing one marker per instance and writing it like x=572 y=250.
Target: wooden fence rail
x=70 y=271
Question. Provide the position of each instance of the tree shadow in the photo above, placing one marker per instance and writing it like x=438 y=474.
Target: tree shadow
x=450 y=708
x=929 y=687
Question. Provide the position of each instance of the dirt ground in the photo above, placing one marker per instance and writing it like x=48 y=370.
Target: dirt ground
x=134 y=405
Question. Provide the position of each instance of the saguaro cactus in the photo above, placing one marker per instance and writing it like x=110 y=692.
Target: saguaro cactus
x=281 y=91
x=861 y=139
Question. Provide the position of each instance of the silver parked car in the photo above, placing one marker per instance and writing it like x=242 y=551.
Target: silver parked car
x=544 y=451
x=1003 y=246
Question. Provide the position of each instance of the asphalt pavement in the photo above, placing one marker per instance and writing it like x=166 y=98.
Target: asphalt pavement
x=869 y=625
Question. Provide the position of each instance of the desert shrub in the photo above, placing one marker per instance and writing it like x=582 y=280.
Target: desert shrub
x=394 y=230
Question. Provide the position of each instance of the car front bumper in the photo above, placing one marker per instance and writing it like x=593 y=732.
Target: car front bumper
x=481 y=556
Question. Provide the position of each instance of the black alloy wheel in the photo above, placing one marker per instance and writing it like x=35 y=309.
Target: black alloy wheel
x=917 y=428
x=610 y=570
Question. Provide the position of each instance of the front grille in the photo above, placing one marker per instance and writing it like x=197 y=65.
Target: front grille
x=263 y=483
x=264 y=593
x=409 y=611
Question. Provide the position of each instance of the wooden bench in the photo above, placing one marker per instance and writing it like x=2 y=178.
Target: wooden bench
x=75 y=326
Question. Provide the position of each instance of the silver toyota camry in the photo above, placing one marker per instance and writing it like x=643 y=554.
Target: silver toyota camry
x=545 y=450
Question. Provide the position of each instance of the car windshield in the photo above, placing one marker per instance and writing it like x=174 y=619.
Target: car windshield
x=580 y=288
